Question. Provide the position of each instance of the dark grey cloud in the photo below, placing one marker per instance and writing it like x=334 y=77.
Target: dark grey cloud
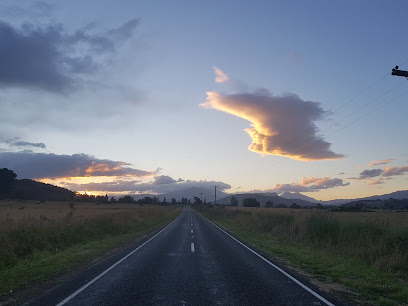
x=367 y=174
x=17 y=142
x=46 y=57
x=43 y=165
x=370 y=173
x=280 y=125
x=160 y=185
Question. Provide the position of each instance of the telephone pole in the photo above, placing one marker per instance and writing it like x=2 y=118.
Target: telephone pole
x=201 y=193
x=397 y=72
x=215 y=195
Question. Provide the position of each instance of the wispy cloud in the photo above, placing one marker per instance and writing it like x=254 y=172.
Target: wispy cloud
x=380 y=162
x=220 y=76
x=310 y=185
x=43 y=165
x=281 y=125
x=372 y=182
x=17 y=142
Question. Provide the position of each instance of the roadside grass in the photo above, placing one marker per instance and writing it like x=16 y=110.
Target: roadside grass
x=360 y=258
x=51 y=238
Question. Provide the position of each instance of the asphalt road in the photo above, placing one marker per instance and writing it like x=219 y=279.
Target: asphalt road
x=190 y=262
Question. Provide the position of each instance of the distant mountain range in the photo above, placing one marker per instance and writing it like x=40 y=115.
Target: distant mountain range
x=398 y=195
x=29 y=189
x=262 y=198
x=288 y=198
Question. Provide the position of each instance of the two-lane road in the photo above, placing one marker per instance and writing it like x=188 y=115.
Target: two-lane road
x=190 y=262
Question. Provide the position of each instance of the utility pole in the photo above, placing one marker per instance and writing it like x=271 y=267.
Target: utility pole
x=215 y=195
x=201 y=193
x=397 y=72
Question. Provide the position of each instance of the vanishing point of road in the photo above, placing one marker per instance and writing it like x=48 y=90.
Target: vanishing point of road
x=189 y=262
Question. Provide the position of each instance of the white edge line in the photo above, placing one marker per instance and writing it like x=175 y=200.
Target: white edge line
x=192 y=247
x=68 y=298
x=275 y=266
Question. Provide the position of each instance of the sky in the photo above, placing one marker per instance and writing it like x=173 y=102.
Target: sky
x=131 y=97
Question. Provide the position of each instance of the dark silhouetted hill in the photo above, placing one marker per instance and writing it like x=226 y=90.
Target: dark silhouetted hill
x=26 y=189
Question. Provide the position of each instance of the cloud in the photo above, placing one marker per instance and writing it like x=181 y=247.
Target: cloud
x=281 y=125
x=310 y=185
x=380 y=162
x=49 y=165
x=375 y=182
x=159 y=185
x=46 y=57
x=392 y=171
x=370 y=173
x=163 y=179
x=220 y=76
x=17 y=142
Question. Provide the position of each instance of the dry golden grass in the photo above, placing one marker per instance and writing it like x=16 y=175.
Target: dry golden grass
x=27 y=227
x=388 y=219
x=22 y=210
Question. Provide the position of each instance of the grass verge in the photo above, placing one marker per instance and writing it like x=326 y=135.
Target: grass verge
x=35 y=250
x=316 y=249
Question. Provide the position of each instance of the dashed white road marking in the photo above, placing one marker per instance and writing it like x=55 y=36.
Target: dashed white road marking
x=192 y=247
x=192 y=231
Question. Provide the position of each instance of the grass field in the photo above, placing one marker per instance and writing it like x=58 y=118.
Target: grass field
x=359 y=256
x=39 y=240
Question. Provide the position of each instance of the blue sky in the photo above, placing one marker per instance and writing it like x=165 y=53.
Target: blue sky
x=140 y=70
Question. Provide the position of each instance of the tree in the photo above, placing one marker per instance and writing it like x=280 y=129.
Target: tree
x=269 y=203
x=7 y=179
x=281 y=206
x=294 y=205
x=234 y=201
x=250 y=202
x=126 y=199
x=173 y=201
x=197 y=200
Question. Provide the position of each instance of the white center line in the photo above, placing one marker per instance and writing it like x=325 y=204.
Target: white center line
x=192 y=247
x=192 y=231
